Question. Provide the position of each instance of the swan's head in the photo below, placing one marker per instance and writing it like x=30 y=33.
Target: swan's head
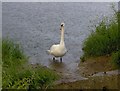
x=62 y=24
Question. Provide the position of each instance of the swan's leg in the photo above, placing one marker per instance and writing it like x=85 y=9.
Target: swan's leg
x=53 y=58
x=61 y=59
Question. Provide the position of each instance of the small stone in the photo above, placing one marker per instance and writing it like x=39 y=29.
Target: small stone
x=60 y=72
x=95 y=72
x=104 y=72
x=104 y=88
x=54 y=70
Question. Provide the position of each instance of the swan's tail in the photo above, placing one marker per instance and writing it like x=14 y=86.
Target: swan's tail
x=48 y=51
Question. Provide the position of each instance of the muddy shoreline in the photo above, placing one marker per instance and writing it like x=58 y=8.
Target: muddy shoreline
x=94 y=77
x=96 y=82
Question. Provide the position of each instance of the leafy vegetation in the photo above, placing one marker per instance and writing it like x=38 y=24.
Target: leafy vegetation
x=17 y=74
x=11 y=54
x=116 y=59
x=105 y=40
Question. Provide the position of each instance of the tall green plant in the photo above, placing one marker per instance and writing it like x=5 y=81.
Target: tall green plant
x=116 y=59
x=16 y=74
x=11 y=53
x=103 y=41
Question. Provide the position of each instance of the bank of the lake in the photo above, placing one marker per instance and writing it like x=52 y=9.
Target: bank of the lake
x=97 y=82
x=100 y=74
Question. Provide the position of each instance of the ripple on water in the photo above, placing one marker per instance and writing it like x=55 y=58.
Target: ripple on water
x=36 y=26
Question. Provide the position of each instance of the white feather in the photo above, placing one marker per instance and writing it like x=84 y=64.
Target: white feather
x=59 y=50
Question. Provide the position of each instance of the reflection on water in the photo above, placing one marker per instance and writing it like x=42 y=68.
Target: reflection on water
x=57 y=65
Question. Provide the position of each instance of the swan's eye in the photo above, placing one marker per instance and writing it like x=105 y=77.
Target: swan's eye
x=61 y=25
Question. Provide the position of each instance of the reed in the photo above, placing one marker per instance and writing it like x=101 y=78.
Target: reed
x=18 y=74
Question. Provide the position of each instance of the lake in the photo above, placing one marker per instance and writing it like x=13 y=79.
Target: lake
x=36 y=26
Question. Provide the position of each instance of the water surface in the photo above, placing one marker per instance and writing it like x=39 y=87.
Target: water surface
x=36 y=26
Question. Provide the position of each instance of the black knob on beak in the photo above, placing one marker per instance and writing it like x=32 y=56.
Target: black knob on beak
x=61 y=25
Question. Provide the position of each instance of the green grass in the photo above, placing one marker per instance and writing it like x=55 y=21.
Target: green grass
x=11 y=53
x=104 y=40
x=0 y=76
x=16 y=72
x=116 y=59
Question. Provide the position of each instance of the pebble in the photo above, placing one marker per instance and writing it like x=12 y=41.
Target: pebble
x=104 y=72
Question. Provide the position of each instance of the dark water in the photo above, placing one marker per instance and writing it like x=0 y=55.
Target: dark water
x=36 y=26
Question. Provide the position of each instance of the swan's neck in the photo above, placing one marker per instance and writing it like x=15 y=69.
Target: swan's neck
x=62 y=36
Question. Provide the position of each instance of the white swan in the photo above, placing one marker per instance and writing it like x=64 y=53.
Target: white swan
x=59 y=50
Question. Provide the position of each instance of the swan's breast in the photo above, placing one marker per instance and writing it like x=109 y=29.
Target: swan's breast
x=58 y=50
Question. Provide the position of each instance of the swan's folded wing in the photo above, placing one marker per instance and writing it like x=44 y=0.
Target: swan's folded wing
x=53 y=47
